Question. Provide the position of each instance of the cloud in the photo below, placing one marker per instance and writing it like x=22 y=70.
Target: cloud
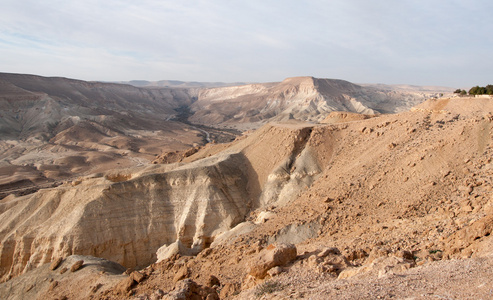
x=363 y=41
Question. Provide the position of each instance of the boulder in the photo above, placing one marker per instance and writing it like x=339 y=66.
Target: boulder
x=76 y=266
x=274 y=255
x=56 y=263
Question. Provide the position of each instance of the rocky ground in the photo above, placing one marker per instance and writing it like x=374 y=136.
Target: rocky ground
x=389 y=206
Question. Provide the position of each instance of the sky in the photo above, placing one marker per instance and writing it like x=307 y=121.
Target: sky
x=419 y=42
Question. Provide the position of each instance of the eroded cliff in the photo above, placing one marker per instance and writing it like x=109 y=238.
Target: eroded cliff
x=127 y=215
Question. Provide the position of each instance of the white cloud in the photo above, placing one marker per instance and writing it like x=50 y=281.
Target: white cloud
x=248 y=41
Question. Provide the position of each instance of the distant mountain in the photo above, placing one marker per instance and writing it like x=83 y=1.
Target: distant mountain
x=179 y=84
x=302 y=98
x=409 y=88
x=34 y=104
x=57 y=128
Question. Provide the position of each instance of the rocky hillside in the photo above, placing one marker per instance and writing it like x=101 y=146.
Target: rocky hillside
x=52 y=129
x=40 y=107
x=56 y=129
x=291 y=210
x=301 y=98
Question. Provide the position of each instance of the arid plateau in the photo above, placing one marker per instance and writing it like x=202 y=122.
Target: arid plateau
x=302 y=189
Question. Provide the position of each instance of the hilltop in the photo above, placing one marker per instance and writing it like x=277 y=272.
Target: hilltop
x=301 y=98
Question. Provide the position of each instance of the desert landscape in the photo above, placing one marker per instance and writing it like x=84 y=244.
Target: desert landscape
x=308 y=188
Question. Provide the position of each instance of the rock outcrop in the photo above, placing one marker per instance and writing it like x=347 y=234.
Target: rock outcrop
x=125 y=221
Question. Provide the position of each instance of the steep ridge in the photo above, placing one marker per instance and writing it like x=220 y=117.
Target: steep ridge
x=125 y=221
x=302 y=98
x=179 y=84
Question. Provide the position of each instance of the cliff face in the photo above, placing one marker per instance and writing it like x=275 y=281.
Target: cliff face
x=125 y=221
x=126 y=216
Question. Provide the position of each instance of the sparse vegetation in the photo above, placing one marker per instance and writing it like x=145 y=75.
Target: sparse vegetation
x=268 y=287
x=460 y=92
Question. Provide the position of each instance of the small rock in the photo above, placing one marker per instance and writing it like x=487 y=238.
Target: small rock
x=313 y=261
x=213 y=281
x=275 y=271
x=405 y=254
x=188 y=289
x=182 y=273
x=157 y=295
x=56 y=263
x=229 y=289
x=29 y=288
x=137 y=276
x=327 y=251
x=376 y=253
x=53 y=285
x=76 y=266
x=357 y=254
x=125 y=285
x=128 y=271
x=95 y=288
x=63 y=270
x=204 y=253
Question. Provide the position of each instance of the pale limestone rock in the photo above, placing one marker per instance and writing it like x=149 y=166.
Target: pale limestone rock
x=230 y=235
x=125 y=221
x=264 y=216
x=275 y=271
x=167 y=251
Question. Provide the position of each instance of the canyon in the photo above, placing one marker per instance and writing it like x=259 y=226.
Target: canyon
x=368 y=183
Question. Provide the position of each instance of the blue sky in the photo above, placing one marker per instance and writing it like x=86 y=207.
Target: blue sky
x=432 y=42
